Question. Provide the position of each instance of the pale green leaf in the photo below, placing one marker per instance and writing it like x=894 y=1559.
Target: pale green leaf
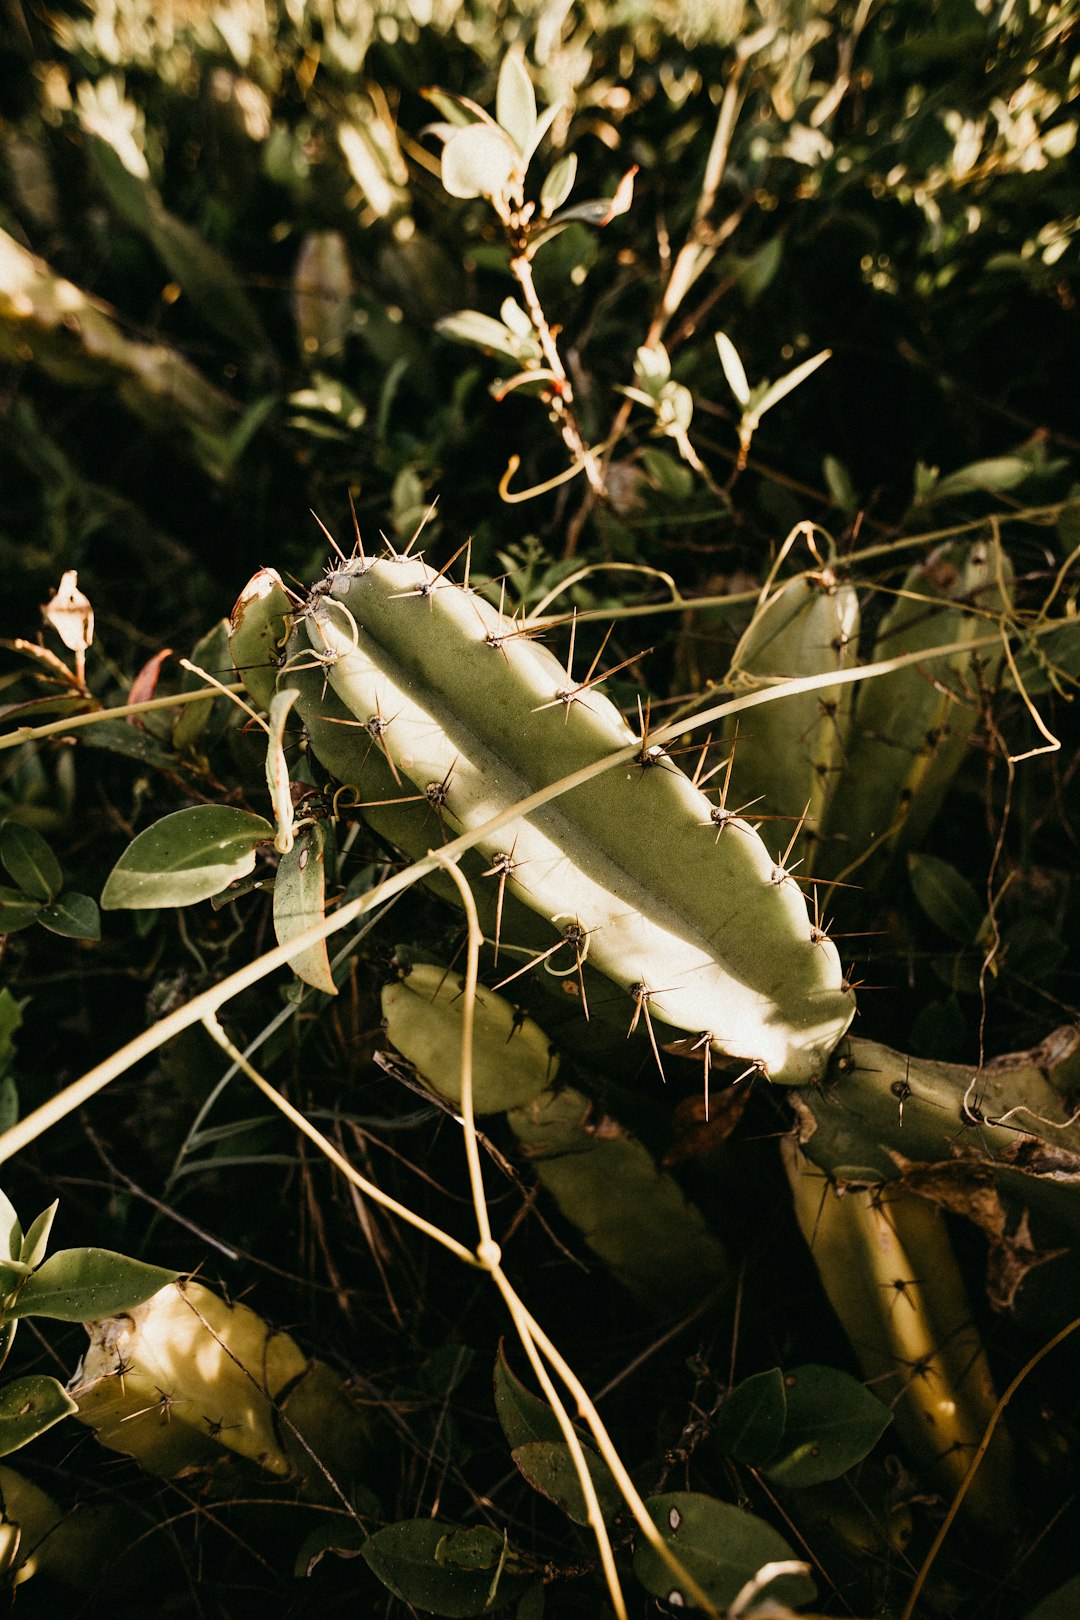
x=478 y=161
x=733 y=368
x=515 y=101
x=28 y=1407
x=779 y=390
x=11 y=1232
x=36 y=1241
x=300 y=902
x=79 y=1285
x=185 y=857
x=558 y=184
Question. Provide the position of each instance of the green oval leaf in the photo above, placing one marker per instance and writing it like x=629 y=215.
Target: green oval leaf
x=404 y=1557
x=29 y=861
x=832 y=1423
x=185 y=857
x=28 y=1407
x=947 y=897
x=750 y=1423
x=17 y=910
x=75 y=916
x=549 y=1468
x=721 y=1546
x=79 y=1285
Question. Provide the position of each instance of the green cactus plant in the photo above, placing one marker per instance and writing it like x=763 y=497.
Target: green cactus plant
x=470 y=718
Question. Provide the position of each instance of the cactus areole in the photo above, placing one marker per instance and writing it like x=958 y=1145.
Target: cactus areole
x=417 y=691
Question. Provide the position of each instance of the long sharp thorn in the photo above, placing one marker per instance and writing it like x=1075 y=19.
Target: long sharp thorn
x=581 y=987
x=359 y=544
x=499 y=913
x=424 y=521
x=706 y=745
x=573 y=639
x=529 y=965
x=599 y=654
x=791 y=841
x=448 y=565
x=327 y=533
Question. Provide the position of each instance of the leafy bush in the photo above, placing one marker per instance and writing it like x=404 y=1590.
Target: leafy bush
x=751 y=322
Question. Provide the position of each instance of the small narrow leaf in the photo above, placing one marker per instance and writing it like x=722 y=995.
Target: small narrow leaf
x=733 y=368
x=36 y=1241
x=779 y=390
x=300 y=902
x=994 y=476
x=185 y=857
x=558 y=184
x=78 y=1285
x=75 y=916
x=28 y=1407
x=30 y=862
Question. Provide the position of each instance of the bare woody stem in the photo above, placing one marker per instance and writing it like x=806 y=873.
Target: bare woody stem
x=562 y=400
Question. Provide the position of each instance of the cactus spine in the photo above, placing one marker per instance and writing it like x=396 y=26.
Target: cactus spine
x=470 y=718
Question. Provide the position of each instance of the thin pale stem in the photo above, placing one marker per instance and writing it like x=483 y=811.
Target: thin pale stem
x=55 y=728
x=562 y=401
x=304 y=1125
x=631 y=1495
